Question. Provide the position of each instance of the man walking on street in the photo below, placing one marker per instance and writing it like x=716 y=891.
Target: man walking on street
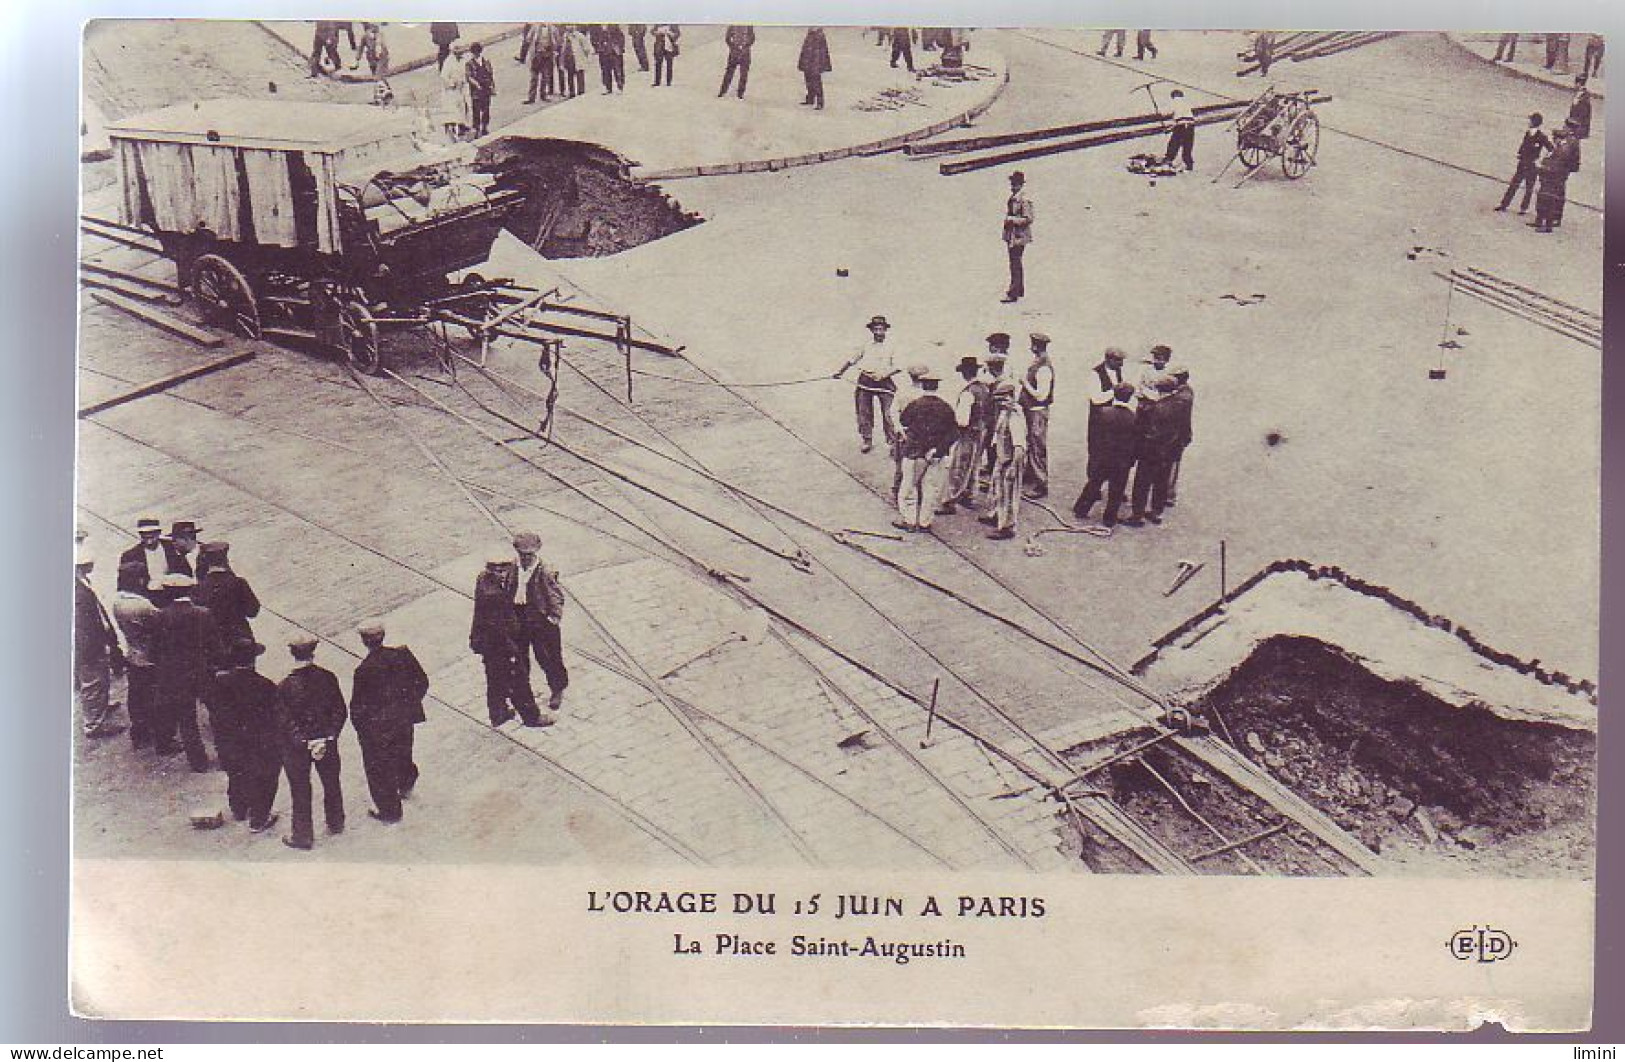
x=739 y=40
x=1018 y=233
x=1113 y=439
x=496 y=637
x=1530 y=147
x=1010 y=457
x=902 y=46
x=243 y=712
x=1037 y=395
x=1506 y=49
x=137 y=620
x=814 y=64
x=183 y=648
x=1591 y=63
x=877 y=386
x=1142 y=44
x=311 y=714
x=637 y=31
x=538 y=601
x=929 y=430
x=386 y=703
x=482 y=85
x=973 y=416
x=96 y=653
x=1106 y=39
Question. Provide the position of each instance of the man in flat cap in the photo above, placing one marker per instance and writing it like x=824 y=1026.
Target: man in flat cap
x=151 y=554
x=227 y=595
x=877 y=384
x=1018 y=233
x=929 y=431
x=1037 y=394
x=496 y=637
x=1010 y=457
x=311 y=714
x=96 y=652
x=182 y=651
x=993 y=371
x=137 y=620
x=242 y=707
x=1114 y=438
x=973 y=415
x=538 y=601
x=386 y=703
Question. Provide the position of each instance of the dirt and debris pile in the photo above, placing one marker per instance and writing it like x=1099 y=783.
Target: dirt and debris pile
x=1416 y=779
x=580 y=200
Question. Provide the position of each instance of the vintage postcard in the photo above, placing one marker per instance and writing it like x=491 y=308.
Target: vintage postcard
x=692 y=524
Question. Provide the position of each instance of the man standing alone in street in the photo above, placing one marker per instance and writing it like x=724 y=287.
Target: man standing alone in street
x=311 y=715
x=386 y=702
x=1530 y=147
x=1018 y=233
x=739 y=39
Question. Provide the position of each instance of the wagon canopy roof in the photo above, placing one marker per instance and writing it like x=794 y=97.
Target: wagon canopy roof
x=268 y=125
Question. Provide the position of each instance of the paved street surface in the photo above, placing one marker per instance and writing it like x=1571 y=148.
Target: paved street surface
x=698 y=728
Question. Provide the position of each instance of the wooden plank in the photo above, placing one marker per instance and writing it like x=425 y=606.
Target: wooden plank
x=165 y=383
x=1244 y=773
x=168 y=322
x=126 y=274
x=982 y=143
x=146 y=244
x=124 y=287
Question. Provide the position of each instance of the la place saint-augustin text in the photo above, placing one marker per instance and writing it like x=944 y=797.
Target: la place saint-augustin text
x=838 y=906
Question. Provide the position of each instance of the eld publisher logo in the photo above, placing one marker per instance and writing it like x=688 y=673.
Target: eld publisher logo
x=1481 y=943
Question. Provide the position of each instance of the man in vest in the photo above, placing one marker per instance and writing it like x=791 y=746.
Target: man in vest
x=993 y=371
x=1107 y=375
x=1010 y=457
x=1037 y=394
x=973 y=416
x=876 y=387
x=1018 y=233
x=929 y=431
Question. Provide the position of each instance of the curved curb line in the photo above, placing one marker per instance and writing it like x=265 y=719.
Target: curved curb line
x=876 y=147
x=1550 y=82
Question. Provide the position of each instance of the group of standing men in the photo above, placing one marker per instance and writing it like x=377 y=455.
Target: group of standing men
x=1544 y=163
x=179 y=631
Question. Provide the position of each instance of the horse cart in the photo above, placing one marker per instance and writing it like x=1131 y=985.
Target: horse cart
x=1278 y=125
x=319 y=222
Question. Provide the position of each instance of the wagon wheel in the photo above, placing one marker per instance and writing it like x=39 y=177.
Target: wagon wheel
x=359 y=338
x=225 y=294
x=1302 y=141
x=1253 y=154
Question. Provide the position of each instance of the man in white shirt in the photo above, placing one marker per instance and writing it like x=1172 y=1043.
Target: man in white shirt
x=1182 y=138
x=1037 y=394
x=877 y=367
x=973 y=415
x=1153 y=369
x=150 y=554
x=1010 y=456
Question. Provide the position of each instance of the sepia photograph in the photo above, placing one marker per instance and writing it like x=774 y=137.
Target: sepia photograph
x=711 y=494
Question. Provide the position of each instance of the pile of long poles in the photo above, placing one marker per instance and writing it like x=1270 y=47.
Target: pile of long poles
x=1536 y=307
x=1049 y=141
x=1299 y=47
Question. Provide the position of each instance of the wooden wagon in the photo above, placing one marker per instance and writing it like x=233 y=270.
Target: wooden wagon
x=319 y=221
x=1279 y=125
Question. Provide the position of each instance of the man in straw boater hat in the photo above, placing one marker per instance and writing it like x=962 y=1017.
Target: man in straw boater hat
x=150 y=553
x=96 y=652
x=311 y=714
x=386 y=703
x=877 y=386
x=242 y=707
x=495 y=636
x=929 y=431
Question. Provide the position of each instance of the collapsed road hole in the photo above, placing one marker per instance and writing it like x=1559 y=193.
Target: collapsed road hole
x=1430 y=787
x=580 y=200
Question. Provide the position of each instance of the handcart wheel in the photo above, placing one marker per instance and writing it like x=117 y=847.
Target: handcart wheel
x=359 y=337
x=1301 y=144
x=225 y=295
x=1253 y=155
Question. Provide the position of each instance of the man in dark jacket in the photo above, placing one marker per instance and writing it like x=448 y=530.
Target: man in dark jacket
x=1159 y=442
x=442 y=34
x=1181 y=404
x=1114 y=437
x=609 y=41
x=182 y=650
x=137 y=620
x=1530 y=147
x=929 y=431
x=227 y=596
x=639 y=32
x=95 y=653
x=1102 y=387
x=538 y=601
x=482 y=85
x=149 y=552
x=739 y=40
x=242 y=707
x=311 y=713
x=180 y=546
x=386 y=702
x=1554 y=170
x=902 y=46
x=814 y=64
x=495 y=635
